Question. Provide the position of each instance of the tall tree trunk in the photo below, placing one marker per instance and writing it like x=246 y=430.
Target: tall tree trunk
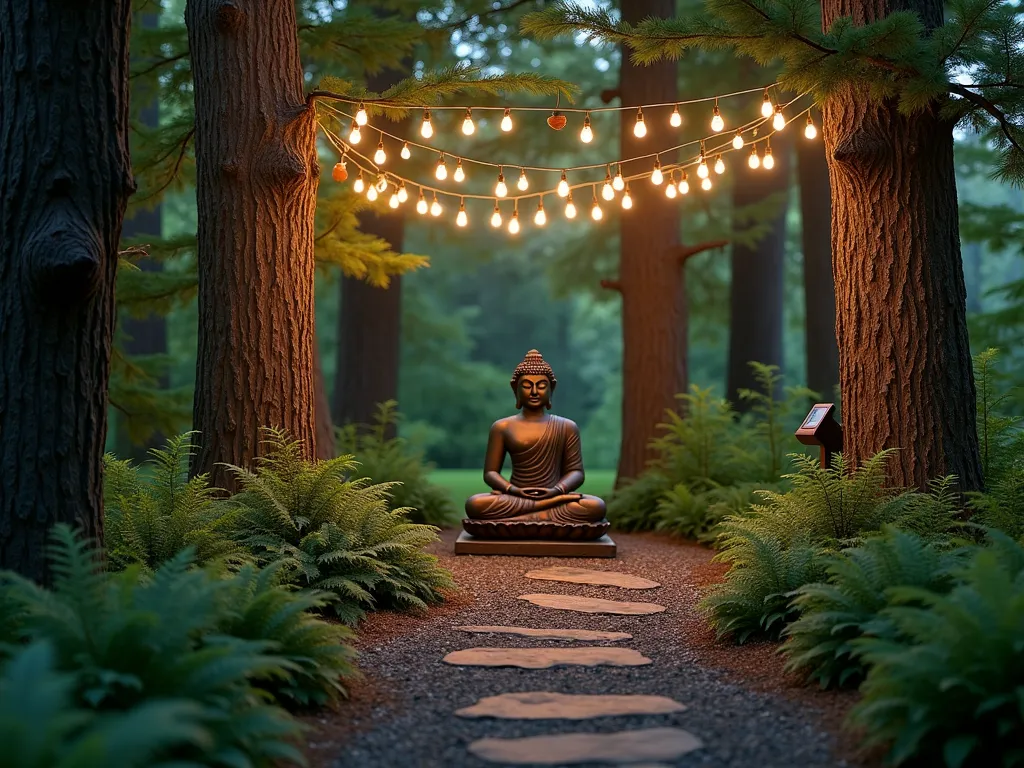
x=904 y=363
x=370 y=320
x=65 y=179
x=758 y=272
x=256 y=180
x=650 y=267
x=819 y=289
x=146 y=335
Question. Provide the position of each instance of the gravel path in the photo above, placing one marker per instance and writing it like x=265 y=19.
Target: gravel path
x=403 y=715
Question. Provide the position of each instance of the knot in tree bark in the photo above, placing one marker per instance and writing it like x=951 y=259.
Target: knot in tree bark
x=228 y=16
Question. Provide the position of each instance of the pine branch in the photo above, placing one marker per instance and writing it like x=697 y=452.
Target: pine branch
x=686 y=251
x=979 y=100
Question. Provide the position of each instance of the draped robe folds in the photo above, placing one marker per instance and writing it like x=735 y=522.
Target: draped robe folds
x=542 y=465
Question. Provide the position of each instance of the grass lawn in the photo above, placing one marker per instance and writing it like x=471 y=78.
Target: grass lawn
x=463 y=483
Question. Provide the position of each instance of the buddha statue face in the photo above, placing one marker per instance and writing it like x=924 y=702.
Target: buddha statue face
x=533 y=392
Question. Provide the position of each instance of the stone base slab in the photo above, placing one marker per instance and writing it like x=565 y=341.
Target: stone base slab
x=471 y=545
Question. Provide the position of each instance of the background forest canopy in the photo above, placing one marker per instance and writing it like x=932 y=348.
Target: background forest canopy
x=474 y=300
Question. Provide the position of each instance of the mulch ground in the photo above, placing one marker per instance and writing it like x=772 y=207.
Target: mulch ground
x=741 y=702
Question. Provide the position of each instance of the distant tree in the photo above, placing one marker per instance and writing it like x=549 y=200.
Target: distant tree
x=65 y=179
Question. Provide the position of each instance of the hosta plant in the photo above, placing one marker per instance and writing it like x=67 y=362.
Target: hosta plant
x=335 y=533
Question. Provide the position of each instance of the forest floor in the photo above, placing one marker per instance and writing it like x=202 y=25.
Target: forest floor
x=741 y=705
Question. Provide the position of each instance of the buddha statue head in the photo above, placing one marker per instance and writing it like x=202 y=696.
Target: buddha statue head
x=534 y=382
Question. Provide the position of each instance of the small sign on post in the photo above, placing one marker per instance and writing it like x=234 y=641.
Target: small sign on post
x=820 y=428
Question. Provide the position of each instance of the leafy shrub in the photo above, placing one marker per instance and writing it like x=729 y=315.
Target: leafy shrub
x=394 y=460
x=947 y=689
x=633 y=507
x=42 y=725
x=131 y=640
x=685 y=513
x=335 y=533
x=860 y=582
x=156 y=511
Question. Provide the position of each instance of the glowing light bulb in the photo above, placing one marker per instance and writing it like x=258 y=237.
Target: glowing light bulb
x=513 y=224
x=810 y=131
x=676 y=119
x=769 y=161
x=540 y=218
x=671 y=191
x=435 y=207
x=402 y=194
x=778 y=120
x=754 y=161
x=587 y=133
x=354 y=136
x=657 y=176
x=702 y=168
x=500 y=190
x=607 y=192
x=371 y=193
x=639 y=130
x=627 y=199
x=361 y=114
x=441 y=172
x=393 y=201
x=737 y=141
x=496 y=216
x=618 y=182
x=406 y=152
x=426 y=129
x=563 y=186
x=468 y=126
x=570 y=208
x=421 y=204
x=459 y=175
x=595 y=211
x=461 y=218
x=717 y=123
x=379 y=157
x=766 y=105
x=719 y=165
x=382 y=182
x=523 y=183
x=684 y=184
x=359 y=185
x=506 y=121
x=705 y=184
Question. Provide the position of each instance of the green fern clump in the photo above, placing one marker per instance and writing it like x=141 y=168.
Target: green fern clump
x=756 y=598
x=155 y=511
x=335 y=533
x=393 y=460
x=847 y=606
x=947 y=689
x=131 y=640
x=691 y=515
x=633 y=507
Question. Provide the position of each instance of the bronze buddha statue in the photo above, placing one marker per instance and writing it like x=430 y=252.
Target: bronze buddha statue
x=539 y=501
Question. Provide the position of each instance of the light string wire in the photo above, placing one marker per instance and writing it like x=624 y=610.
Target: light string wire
x=385 y=104
x=376 y=171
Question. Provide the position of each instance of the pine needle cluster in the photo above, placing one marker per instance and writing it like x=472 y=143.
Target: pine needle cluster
x=334 y=532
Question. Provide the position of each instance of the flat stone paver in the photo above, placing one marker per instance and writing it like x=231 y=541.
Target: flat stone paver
x=543 y=658
x=545 y=705
x=592 y=604
x=589 y=635
x=619 y=748
x=589 y=576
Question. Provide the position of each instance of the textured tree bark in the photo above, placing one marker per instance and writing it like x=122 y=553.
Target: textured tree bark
x=370 y=320
x=256 y=180
x=756 y=286
x=819 y=289
x=650 y=270
x=65 y=179
x=904 y=364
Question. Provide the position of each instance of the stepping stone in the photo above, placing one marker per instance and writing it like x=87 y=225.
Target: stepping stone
x=623 y=747
x=543 y=705
x=592 y=604
x=588 y=576
x=543 y=658
x=590 y=635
